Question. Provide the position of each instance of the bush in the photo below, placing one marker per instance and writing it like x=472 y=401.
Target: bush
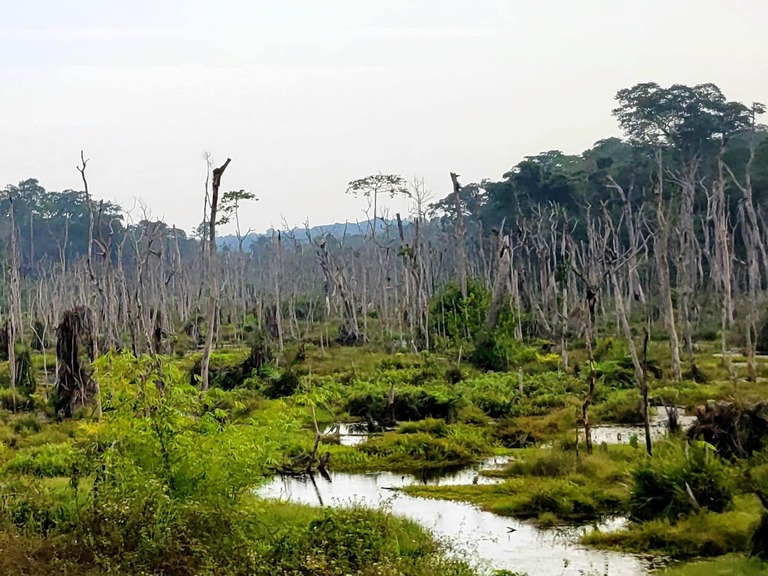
x=46 y=461
x=419 y=447
x=10 y=400
x=660 y=484
x=30 y=423
x=454 y=318
x=351 y=540
x=454 y=375
x=411 y=403
x=285 y=384
x=618 y=407
x=436 y=428
x=499 y=351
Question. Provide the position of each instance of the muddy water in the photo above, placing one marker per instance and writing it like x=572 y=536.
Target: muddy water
x=488 y=540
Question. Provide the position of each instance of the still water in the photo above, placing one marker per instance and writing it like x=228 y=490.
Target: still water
x=488 y=540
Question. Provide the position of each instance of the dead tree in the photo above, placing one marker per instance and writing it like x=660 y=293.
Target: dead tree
x=349 y=332
x=212 y=273
x=15 y=329
x=661 y=250
x=596 y=260
x=640 y=368
x=91 y=222
x=501 y=283
x=458 y=235
x=75 y=346
x=689 y=259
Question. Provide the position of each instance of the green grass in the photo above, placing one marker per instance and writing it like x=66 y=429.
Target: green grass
x=550 y=486
x=550 y=500
x=700 y=535
x=443 y=423
x=730 y=565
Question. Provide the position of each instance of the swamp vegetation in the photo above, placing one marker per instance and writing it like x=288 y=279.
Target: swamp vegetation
x=592 y=322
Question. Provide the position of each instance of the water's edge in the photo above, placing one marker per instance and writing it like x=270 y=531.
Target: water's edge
x=489 y=541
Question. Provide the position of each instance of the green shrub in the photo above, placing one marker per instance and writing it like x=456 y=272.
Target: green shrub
x=46 y=461
x=285 y=384
x=455 y=318
x=351 y=539
x=499 y=351
x=660 y=484
x=411 y=403
x=10 y=400
x=436 y=428
x=30 y=423
x=511 y=435
x=618 y=406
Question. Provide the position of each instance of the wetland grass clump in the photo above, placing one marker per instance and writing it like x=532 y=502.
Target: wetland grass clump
x=549 y=486
x=705 y=534
x=678 y=481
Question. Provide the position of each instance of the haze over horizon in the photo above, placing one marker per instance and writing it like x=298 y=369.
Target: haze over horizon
x=305 y=97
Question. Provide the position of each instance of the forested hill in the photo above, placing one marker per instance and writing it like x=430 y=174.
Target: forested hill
x=691 y=139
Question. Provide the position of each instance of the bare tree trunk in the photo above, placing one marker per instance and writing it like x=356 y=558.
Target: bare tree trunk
x=501 y=282
x=15 y=329
x=459 y=235
x=212 y=272
x=662 y=264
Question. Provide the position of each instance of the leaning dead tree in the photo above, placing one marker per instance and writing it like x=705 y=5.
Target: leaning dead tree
x=212 y=273
x=349 y=332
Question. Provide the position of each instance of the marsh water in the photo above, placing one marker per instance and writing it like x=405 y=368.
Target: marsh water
x=487 y=540
x=623 y=433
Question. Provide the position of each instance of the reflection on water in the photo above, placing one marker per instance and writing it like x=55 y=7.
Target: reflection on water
x=349 y=434
x=490 y=540
x=622 y=433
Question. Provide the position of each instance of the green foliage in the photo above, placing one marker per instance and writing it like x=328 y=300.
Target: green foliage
x=731 y=565
x=500 y=351
x=25 y=376
x=27 y=423
x=350 y=539
x=282 y=384
x=574 y=498
x=411 y=402
x=436 y=428
x=47 y=461
x=660 y=484
x=618 y=406
x=14 y=400
x=702 y=535
x=422 y=450
x=456 y=319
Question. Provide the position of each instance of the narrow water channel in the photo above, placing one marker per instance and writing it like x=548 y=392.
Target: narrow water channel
x=488 y=540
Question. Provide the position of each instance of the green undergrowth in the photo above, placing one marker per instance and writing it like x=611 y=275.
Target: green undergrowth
x=163 y=484
x=550 y=486
x=416 y=446
x=704 y=534
x=730 y=565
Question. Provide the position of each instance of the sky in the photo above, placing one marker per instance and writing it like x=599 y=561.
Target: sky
x=305 y=96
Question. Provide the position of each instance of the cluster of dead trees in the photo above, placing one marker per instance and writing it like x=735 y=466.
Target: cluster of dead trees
x=645 y=256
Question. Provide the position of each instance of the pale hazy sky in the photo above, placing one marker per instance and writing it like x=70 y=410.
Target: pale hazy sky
x=306 y=95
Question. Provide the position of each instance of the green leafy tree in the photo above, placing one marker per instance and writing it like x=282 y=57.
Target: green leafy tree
x=371 y=187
